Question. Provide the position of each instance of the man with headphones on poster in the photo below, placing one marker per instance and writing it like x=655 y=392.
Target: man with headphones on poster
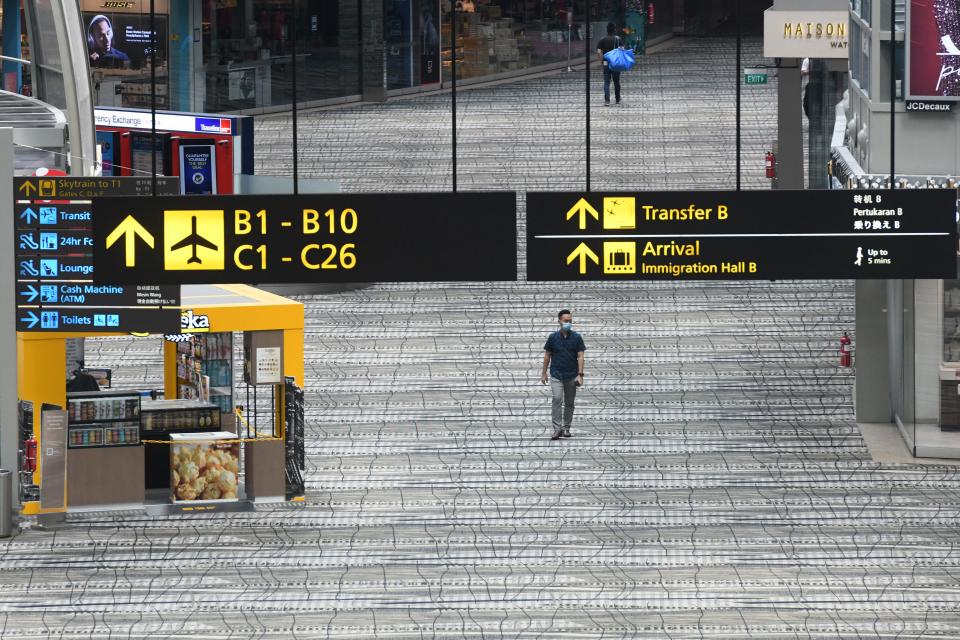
x=100 y=45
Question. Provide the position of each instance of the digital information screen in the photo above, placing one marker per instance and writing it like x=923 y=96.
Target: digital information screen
x=395 y=237
x=737 y=235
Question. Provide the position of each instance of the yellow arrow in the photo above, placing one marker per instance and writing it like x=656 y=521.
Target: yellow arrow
x=129 y=229
x=583 y=208
x=583 y=252
x=27 y=186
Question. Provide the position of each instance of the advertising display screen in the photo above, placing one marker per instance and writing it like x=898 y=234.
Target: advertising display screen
x=109 y=152
x=141 y=154
x=933 y=50
x=122 y=40
x=429 y=42
x=198 y=169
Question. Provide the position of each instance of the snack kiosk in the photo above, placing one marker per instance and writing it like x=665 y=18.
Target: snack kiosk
x=194 y=449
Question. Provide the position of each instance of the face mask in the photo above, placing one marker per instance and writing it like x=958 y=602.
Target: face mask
x=566 y=326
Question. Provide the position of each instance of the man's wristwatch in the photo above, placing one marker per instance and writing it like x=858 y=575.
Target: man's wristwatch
x=580 y=374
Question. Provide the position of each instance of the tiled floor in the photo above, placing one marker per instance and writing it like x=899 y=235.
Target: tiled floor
x=716 y=486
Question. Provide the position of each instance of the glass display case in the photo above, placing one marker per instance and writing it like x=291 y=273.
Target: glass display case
x=950 y=367
x=951 y=322
x=173 y=416
x=97 y=419
x=205 y=369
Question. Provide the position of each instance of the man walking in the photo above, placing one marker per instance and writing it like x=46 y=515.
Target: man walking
x=563 y=354
x=607 y=44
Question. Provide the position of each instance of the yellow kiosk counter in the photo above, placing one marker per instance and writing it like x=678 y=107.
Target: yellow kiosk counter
x=113 y=449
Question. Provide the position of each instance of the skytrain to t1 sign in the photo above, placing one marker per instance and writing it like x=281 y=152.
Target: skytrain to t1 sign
x=742 y=235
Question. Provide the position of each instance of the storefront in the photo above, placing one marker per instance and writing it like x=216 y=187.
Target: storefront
x=924 y=346
x=499 y=36
x=237 y=55
x=221 y=434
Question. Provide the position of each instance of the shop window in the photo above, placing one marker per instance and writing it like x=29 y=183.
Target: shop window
x=248 y=49
x=498 y=36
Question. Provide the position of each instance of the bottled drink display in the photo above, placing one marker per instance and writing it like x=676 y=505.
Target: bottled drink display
x=98 y=419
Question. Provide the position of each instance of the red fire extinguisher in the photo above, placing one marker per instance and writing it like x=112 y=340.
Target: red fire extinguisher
x=651 y=13
x=846 y=358
x=30 y=454
x=771 y=164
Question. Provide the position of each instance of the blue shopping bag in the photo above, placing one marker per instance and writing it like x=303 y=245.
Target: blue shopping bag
x=619 y=59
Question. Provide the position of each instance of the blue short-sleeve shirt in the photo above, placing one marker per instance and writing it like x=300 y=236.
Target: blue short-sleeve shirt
x=563 y=354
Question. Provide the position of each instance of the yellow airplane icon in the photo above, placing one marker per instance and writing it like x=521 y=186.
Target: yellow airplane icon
x=193 y=240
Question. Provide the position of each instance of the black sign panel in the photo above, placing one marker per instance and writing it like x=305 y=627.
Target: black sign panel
x=53 y=245
x=307 y=238
x=97 y=295
x=93 y=320
x=729 y=235
x=43 y=216
x=77 y=188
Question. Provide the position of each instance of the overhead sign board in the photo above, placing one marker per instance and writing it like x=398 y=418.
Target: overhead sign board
x=805 y=34
x=306 y=238
x=70 y=188
x=98 y=320
x=737 y=235
x=53 y=247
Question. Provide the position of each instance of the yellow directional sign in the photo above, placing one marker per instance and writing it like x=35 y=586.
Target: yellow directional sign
x=129 y=229
x=582 y=208
x=28 y=189
x=313 y=238
x=583 y=252
x=193 y=240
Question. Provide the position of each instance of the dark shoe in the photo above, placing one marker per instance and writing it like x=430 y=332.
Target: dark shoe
x=566 y=433
x=556 y=435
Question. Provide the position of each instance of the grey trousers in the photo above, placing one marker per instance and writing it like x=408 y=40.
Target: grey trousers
x=564 y=393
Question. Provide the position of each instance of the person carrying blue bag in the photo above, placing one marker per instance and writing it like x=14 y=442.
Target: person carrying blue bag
x=615 y=59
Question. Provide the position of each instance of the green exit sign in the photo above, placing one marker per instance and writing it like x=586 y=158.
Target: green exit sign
x=755 y=77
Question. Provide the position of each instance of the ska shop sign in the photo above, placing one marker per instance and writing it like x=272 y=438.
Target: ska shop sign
x=190 y=324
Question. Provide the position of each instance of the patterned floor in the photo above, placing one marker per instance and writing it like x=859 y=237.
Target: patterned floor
x=716 y=486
